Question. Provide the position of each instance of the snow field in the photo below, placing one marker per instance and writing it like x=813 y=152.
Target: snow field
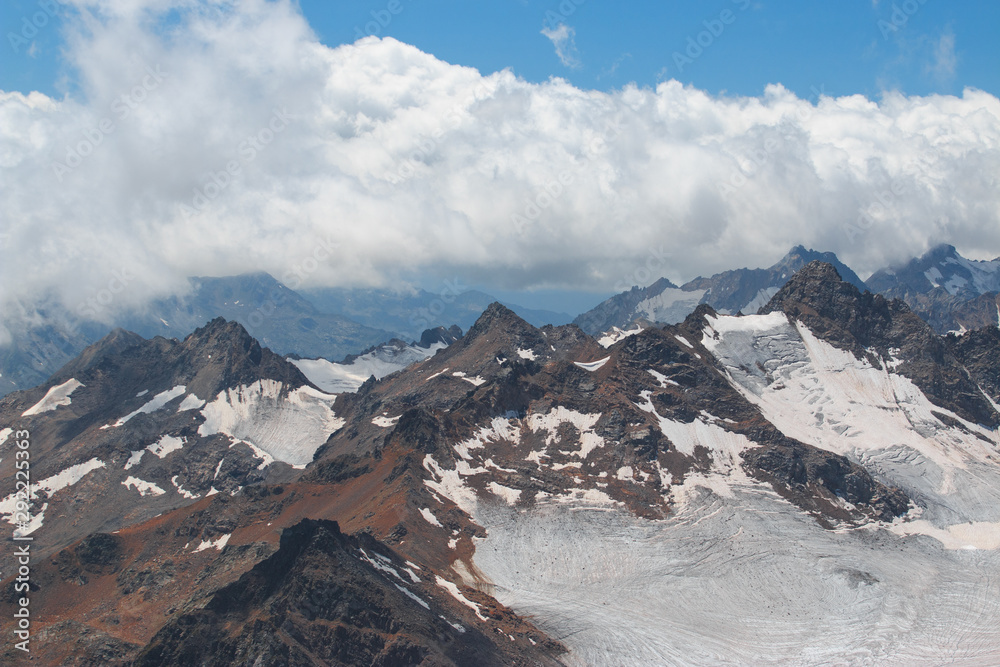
x=287 y=428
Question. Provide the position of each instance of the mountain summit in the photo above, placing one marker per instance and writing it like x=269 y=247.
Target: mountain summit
x=729 y=292
x=947 y=290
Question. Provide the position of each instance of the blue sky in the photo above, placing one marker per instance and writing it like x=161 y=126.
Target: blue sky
x=840 y=48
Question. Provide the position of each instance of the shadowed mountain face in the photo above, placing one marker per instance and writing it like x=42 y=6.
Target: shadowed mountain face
x=325 y=598
x=280 y=318
x=781 y=471
x=410 y=312
x=274 y=314
x=947 y=290
x=146 y=426
x=729 y=292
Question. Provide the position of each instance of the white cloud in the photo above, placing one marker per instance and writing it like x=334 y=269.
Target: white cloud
x=563 y=39
x=417 y=165
x=944 y=60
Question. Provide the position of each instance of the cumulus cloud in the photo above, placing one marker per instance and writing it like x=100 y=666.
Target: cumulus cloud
x=228 y=139
x=944 y=60
x=563 y=38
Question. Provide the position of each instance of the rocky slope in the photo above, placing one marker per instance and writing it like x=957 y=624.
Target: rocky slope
x=706 y=492
x=133 y=427
x=325 y=598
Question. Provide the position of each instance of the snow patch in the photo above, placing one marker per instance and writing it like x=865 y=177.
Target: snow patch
x=670 y=306
x=430 y=518
x=616 y=334
x=509 y=495
x=457 y=594
x=143 y=487
x=55 y=397
x=592 y=365
x=684 y=340
x=662 y=379
x=218 y=544
x=584 y=423
x=180 y=489
x=165 y=445
x=67 y=477
x=154 y=404
x=190 y=402
x=346 y=378
x=135 y=458
x=412 y=596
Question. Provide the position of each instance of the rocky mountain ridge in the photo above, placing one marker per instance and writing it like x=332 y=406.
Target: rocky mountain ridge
x=519 y=459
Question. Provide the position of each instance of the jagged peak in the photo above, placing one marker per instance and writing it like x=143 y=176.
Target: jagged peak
x=497 y=317
x=817 y=284
x=440 y=335
x=219 y=328
x=942 y=250
x=115 y=342
x=697 y=319
x=817 y=270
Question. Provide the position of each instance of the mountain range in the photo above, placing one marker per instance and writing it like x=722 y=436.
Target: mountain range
x=729 y=292
x=710 y=491
x=949 y=291
x=329 y=323
x=946 y=289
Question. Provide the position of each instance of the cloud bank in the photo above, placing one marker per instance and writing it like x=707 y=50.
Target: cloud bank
x=217 y=137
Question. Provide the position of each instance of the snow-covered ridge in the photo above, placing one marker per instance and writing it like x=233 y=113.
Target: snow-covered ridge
x=54 y=398
x=346 y=378
x=826 y=397
x=289 y=428
x=984 y=275
x=670 y=306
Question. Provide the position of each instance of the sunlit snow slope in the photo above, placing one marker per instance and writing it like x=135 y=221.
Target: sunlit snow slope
x=738 y=575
